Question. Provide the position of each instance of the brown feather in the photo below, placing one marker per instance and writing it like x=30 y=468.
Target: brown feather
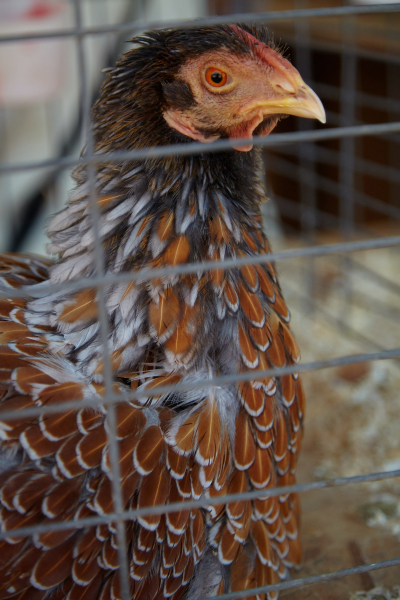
x=249 y=353
x=276 y=352
x=260 y=470
x=90 y=448
x=184 y=485
x=252 y=398
x=126 y=448
x=180 y=341
x=281 y=308
x=208 y=472
x=228 y=547
x=61 y=392
x=129 y=419
x=83 y=306
x=30 y=494
x=10 y=487
x=288 y=389
x=264 y=438
x=290 y=343
x=50 y=572
x=164 y=312
x=259 y=336
x=61 y=497
x=237 y=485
x=265 y=420
x=177 y=463
x=251 y=306
x=153 y=491
x=301 y=399
x=66 y=457
x=10 y=331
x=177 y=252
x=25 y=377
x=249 y=274
x=218 y=230
x=88 y=419
x=184 y=438
x=280 y=436
x=87 y=592
x=249 y=241
x=164 y=380
x=265 y=283
x=36 y=444
x=165 y=226
x=59 y=426
x=231 y=297
x=148 y=450
x=208 y=433
x=259 y=534
x=245 y=449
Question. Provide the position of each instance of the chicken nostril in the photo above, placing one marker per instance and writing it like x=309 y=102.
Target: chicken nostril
x=285 y=88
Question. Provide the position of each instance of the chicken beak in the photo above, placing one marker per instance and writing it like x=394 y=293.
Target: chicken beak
x=302 y=102
x=289 y=97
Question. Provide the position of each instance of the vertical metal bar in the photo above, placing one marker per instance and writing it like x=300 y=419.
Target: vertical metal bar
x=306 y=154
x=393 y=92
x=347 y=149
x=103 y=318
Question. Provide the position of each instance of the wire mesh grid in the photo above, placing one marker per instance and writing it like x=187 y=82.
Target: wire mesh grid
x=307 y=212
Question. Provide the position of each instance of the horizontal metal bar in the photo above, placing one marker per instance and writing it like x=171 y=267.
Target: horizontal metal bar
x=336 y=93
x=249 y=18
x=148 y=273
x=329 y=156
x=323 y=44
x=296 y=172
x=333 y=321
x=292 y=209
x=130 y=515
x=335 y=119
x=296 y=583
x=220 y=381
x=276 y=139
x=388 y=283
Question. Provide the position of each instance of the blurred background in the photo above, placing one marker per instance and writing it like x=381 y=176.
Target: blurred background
x=320 y=193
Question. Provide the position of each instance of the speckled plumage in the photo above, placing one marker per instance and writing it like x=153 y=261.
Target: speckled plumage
x=177 y=328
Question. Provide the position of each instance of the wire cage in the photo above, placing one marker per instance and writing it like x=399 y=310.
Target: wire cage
x=334 y=201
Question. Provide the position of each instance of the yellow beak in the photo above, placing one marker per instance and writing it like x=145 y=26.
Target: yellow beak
x=301 y=102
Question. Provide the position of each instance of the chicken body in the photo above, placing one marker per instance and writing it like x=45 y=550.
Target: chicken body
x=188 y=328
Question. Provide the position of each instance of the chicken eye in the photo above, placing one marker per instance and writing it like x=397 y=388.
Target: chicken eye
x=216 y=77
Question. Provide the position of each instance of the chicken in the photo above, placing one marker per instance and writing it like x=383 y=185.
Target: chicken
x=200 y=441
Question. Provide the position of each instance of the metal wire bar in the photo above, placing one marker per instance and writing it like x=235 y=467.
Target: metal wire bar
x=296 y=583
x=276 y=139
x=283 y=15
x=85 y=101
x=379 y=102
x=292 y=209
x=306 y=156
x=129 y=515
x=346 y=158
x=148 y=273
x=322 y=43
x=334 y=321
x=371 y=304
x=389 y=284
x=299 y=172
x=334 y=118
x=329 y=156
x=130 y=395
